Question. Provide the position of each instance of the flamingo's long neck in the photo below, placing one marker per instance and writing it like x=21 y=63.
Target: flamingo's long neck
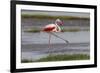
x=58 y=27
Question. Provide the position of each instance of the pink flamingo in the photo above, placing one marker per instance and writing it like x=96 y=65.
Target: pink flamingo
x=56 y=27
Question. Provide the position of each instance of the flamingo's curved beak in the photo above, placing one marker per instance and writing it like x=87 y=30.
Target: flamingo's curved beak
x=61 y=23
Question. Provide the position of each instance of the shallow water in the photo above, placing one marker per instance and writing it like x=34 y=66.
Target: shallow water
x=35 y=45
x=32 y=54
x=42 y=38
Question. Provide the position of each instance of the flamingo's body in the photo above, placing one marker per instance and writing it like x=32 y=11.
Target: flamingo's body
x=52 y=28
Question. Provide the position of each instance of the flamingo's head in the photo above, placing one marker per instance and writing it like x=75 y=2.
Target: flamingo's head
x=58 y=22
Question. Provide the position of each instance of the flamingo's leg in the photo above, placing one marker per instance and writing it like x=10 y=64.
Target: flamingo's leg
x=59 y=37
x=49 y=45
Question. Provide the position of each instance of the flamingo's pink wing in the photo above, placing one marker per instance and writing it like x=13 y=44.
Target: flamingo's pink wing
x=48 y=29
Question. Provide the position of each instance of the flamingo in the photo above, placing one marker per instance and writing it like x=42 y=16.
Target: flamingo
x=56 y=27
